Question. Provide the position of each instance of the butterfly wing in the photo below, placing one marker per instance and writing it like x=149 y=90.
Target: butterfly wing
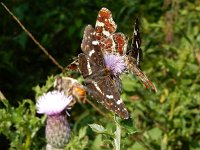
x=134 y=69
x=71 y=86
x=136 y=51
x=105 y=24
x=108 y=95
x=73 y=66
x=105 y=28
x=103 y=89
x=116 y=43
x=92 y=59
x=134 y=56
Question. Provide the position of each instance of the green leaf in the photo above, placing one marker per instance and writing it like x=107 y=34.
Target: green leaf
x=155 y=133
x=82 y=132
x=97 y=128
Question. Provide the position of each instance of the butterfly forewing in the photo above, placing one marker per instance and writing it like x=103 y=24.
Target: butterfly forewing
x=90 y=47
x=105 y=28
x=105 y=24
x=92 y=59
x=134 y=56
x=84 y=65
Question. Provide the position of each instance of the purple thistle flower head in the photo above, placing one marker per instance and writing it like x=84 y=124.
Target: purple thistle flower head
x=52 y=103
x=115 y=63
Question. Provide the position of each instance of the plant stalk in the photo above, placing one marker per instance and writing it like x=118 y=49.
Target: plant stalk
x=117 y=138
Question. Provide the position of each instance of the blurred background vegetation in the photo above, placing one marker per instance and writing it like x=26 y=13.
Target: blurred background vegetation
x=170 y=31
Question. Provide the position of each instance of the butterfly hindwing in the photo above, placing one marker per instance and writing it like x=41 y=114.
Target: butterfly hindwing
x=143 y=78
x=105 y=92
x=116 y=43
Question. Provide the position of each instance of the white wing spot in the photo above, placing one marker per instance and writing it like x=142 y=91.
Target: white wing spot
x=91 y=52
x=119 y=102
x=124 y=109
x=97 y=87
x=100 y=24
x=109 y=96
x=135 y=32
x=95 y=42
x=137 y=44
x=106 y=33
x=89 y=67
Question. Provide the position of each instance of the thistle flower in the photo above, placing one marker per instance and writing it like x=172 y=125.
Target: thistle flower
x=115 y=63
x=52 y=103
x=57 y=128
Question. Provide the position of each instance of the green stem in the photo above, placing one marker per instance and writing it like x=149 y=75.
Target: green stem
x=117 y=138
x=27 y=141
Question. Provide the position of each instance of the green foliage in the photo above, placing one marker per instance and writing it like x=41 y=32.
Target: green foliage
x=99 y=129
x=166 y=120
x=40 y=90
x=79 y=141
x=20 y=125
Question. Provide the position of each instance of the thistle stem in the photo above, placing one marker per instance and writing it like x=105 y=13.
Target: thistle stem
x=117 y=138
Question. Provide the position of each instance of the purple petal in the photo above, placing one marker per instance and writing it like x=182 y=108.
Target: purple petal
x=52 y=103
x=115 y=63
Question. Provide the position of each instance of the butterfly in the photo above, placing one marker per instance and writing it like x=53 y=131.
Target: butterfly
x=112 y=42
x=98 y=77
x=71 y=86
